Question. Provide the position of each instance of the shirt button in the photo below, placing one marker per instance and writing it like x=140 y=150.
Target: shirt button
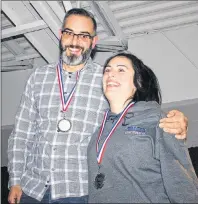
x=47 y=181
x=53 y=169
x=55 y=149
x=46 y=186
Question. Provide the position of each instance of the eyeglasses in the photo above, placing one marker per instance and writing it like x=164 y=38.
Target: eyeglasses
x=80 y=36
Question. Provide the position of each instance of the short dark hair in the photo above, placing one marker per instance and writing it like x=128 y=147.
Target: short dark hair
x=145 y=81
x=80 y=12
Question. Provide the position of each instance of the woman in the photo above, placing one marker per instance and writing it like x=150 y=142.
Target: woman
x=130 y=159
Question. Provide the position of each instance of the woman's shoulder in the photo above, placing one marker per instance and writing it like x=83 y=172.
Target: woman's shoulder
x=147 y=112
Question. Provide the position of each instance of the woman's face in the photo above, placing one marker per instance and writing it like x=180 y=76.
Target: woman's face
x=118 y=80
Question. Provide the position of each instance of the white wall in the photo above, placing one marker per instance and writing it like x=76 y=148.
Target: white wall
x=13 y=84
x=101 y=57
x=175 y=63
x=190 y=109
x=5 y=132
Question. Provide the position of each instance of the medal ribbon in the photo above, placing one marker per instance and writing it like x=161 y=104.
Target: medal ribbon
x=65 y=102
x=100 y=152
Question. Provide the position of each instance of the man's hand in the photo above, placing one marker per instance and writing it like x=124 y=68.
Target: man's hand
x=175 y=123
x=15 y=193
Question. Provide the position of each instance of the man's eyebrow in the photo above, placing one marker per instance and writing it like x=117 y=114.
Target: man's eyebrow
x=85 y=32
x=82 y=32
x=68 y=29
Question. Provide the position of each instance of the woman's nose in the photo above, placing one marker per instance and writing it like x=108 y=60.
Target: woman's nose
x=111 y=74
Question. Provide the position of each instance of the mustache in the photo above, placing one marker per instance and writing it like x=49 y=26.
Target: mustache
x=72 y=46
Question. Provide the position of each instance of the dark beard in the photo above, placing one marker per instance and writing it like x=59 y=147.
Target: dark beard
x=74 y=60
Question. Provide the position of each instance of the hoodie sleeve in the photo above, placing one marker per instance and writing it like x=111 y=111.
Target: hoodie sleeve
x=180 y=180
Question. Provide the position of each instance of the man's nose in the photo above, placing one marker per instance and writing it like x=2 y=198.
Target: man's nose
x=75 y=39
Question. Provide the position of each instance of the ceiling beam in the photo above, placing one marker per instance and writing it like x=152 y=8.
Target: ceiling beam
x=7 y=57
x=102 y=19
x=16 y=68
x=27 y=56
x=171 y=23
x=155 y=8
x=18 y=51
x=22 y=29
x=110 y=44
x=14 y=63
x=106 y=16
x=48 y=16
x=31 y=9
x=111 y=41
x=13 y=47
x=78 y=4
x=158 y=16
x=67 y=5
x=108 y=48
x=55 y=6
x=39 y=39
x=124 y=5
x=113 y=22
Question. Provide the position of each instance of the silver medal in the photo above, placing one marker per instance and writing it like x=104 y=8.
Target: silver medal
x=64 y=125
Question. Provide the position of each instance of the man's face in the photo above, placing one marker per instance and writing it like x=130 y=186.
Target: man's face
x=77 y=40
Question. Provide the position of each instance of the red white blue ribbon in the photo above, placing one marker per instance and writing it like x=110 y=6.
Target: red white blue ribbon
x=65 y=102
x=100 y=153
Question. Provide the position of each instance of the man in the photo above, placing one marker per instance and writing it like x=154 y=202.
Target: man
x=60 y=109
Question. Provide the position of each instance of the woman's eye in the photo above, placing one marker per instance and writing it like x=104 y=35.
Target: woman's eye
x=107 y=70
x=121 y=70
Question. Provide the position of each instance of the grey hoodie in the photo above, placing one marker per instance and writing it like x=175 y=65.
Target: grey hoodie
x=141 y=163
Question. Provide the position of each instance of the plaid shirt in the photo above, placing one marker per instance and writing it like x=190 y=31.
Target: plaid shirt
x=38 y=155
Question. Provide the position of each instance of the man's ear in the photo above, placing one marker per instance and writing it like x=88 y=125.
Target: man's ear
x=95 y=40
x=60 y=33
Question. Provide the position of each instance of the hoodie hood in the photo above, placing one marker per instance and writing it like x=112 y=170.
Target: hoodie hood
x=139 y=112
x=144 y=106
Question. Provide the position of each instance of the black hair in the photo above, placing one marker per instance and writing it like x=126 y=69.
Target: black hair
x=80 y=12
x=145 y=81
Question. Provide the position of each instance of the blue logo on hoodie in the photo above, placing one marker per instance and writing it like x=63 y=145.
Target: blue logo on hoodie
x=135 y=130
